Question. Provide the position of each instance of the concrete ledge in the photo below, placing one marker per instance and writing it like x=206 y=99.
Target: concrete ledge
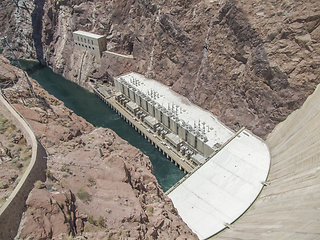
x=11 y=211
x=118 y=55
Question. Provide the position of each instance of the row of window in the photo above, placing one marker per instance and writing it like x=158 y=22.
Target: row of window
x=85 y=40
x=79 y=44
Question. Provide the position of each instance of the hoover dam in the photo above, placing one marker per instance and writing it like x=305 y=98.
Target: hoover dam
x=254 y=65
x=288 y=207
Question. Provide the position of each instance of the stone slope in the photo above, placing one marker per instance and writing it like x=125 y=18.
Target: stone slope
x=251 y=63
x=288 y=207
x=15 y=156
x=98 y=186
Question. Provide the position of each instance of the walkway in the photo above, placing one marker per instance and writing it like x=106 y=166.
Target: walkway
x=11 y=211
x=118 y=55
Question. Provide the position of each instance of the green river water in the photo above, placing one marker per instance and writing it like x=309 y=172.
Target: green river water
x=95 y=111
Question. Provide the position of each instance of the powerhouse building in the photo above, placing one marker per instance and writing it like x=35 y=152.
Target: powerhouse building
x=186 y=127
x=92 y=42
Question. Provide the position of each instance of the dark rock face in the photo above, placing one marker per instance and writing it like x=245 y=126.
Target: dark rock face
x=274 y=77
x=239 y=24
x=261 y=64
x=246 y=35
x=250 y=63
x=37 y=16
x=172 y=28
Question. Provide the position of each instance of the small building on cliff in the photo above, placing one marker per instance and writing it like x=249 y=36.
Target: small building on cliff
x=92 y=42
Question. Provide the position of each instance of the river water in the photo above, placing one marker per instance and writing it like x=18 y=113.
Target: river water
x=95 y=111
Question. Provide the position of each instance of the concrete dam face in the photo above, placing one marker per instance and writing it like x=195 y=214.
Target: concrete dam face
x=289 y=206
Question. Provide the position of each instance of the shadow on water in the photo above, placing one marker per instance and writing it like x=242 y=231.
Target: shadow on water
x=95 y=111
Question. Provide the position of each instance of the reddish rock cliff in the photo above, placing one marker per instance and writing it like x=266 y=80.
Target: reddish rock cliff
x=250 y=63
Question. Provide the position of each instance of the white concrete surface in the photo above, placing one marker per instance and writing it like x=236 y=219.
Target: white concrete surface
x=88 y=34
x=289 y=207
x=224 y=187
x=191 y=114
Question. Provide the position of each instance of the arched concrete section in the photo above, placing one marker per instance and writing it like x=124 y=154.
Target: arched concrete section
x=222 y=189
x=289 y=207
x=11 y=211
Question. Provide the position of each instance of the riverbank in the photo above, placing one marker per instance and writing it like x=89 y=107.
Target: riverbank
x=101 y=115
x=97 y=184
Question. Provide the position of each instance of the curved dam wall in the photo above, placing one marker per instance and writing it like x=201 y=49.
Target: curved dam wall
x=11 y=211
x=289 y=207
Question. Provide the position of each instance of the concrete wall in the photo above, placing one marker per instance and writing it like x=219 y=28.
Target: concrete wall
x=126 y=90
x=11 y=211
x=288 y=208
x=131 y=94
x=165 y=119
x=102 y=42
x=158 y=114
x=173 y=125
x=207 y=150
x=191 y=139
x=150 y=109
x=138 y=99
x=117 y=85
x=200 y=147
x=144 y=104
x=182 y=132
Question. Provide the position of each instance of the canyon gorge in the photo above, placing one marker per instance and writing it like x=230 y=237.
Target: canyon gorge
x=250 y=63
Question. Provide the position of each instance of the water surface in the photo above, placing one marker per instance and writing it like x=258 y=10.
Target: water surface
x=95 y=111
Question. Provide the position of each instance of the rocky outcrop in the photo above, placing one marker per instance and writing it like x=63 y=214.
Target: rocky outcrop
x=52 y=213
x=250 y=63
x=15 y=156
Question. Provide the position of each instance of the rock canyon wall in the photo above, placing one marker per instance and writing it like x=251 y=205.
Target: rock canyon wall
x=251 y=63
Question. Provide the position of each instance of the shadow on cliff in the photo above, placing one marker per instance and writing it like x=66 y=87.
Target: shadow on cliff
x=36 y=16
x=246 y=35
x=31 y=66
